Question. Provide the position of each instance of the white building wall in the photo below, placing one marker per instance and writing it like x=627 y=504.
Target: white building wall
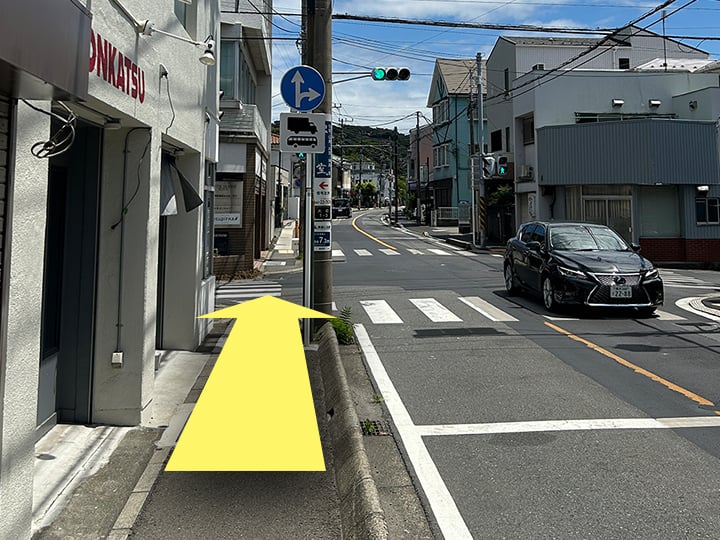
x=19 y=368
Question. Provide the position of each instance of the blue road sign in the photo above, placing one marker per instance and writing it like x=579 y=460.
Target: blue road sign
x=302 y=88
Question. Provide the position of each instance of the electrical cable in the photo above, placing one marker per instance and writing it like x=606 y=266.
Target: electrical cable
x=172 y=108
x=63 y=138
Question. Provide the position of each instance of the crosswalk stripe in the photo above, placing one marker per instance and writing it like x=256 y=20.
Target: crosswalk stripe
x=665 y=316
x=434 y=310
x=415 y=251
x=467 y=254
x=362 y=252
x=487 y=309
x=337 y=253
x=380 y=312
x=255 y=294
x=438 y=251
x=389 y=251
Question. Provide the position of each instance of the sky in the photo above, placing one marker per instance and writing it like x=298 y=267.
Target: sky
x=360 y=46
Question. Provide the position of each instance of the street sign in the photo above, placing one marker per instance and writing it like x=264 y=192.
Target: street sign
x=323 y=212
x=321 y=241
x=322 y=195
x=302 y=88
x=302 y=132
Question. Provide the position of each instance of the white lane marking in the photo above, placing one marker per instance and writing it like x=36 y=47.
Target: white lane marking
x=415 y=251
x=362 y=253
x=434 y=310
x=467 y=254
x=496 y=255
x=551 y=318
x=487 y=309
x=687 y=305
x=389 y=251
x=570 y=425
x=438 y=251
x=380 y=312
x=441 y=502
x=667 y=316
x=337 y=253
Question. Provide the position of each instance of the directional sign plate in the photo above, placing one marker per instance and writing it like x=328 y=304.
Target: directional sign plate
x=302 y=88
x=302 y=132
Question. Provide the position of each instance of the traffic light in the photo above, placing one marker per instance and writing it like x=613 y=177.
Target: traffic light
x=301 y=156
x=502 y=166
x=488 y=166
x=390 y=74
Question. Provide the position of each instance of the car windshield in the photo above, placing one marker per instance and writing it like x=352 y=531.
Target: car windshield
x=340 y=203
x=585 y=238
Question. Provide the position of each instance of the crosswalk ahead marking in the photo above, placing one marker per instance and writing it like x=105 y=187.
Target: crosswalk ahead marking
x=434 y=310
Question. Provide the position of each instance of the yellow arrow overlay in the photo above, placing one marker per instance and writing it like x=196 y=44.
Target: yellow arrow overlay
x=256 y=411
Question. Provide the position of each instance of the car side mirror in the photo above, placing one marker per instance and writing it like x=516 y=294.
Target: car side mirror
x=534 y=245
x=635 y=247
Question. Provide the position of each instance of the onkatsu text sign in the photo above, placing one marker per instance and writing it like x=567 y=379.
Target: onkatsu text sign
x=115 y=68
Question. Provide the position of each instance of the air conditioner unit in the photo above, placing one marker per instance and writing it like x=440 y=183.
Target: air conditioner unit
x=525 y=172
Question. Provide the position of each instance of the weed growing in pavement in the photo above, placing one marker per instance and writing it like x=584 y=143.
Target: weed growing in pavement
x=343 y=327
x=377 y=398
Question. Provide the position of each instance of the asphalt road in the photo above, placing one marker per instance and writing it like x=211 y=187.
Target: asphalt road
x=518 y=423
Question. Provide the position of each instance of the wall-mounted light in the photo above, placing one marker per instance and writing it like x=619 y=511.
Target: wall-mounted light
x=654 y=102
x=147 y=28
x=693 y=104
x=618 y=102
x=703 y=188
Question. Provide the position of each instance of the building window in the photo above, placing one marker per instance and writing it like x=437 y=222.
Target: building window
x=507 y=81
x=507 y=139
x=496 y=141
x=441 y=112
x=236 y=78
x=528 y=130
x=623 y=63
x=440 y=156
x=707 y=211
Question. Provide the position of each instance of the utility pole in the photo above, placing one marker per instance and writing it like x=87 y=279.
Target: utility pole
x=396 y=172
x=417 y=166
x=320 y=32
x=481 y=208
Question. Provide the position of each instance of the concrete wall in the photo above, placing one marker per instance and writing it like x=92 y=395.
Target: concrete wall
x=19 y=367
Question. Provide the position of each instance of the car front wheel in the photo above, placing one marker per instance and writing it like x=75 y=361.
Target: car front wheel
x=548 y=293
x=510 y=285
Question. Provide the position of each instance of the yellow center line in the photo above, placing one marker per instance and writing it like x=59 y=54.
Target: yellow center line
x=370 y=236
x=637 y=369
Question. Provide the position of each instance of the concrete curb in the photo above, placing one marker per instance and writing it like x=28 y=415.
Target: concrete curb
x=360 y=510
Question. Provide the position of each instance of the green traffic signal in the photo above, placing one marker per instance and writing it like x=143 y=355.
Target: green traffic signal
x=390 y=74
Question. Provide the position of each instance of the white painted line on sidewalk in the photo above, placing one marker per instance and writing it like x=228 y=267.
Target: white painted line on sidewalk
x=687 y=305
x=362 y=253
x=438 y=251
x=434 y=310
x=389 y=251
x=380 y=312
x=570 y=425
x=487 y=309
x=441 y=502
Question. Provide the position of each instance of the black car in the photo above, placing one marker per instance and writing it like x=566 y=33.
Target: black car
x=583 y=264
x=341 y=207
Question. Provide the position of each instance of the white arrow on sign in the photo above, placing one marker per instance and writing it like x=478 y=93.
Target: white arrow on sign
x=311 y=94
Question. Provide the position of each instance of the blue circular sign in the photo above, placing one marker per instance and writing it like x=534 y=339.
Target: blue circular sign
x=302 y=88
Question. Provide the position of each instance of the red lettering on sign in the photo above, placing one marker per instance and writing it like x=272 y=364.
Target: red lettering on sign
x=115 y=68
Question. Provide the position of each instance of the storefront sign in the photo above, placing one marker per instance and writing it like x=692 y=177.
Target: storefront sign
x=227 y=219
x=115 y=68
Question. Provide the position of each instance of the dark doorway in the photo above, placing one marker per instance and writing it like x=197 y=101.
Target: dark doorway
x=69 y=282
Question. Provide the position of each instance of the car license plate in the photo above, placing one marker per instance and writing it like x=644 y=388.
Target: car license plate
x=620 y=291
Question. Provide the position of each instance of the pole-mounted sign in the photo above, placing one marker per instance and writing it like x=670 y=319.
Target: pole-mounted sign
x=302 y=88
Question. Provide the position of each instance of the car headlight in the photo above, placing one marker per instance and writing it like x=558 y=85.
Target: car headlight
x=569 y=272
x=652 y=274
